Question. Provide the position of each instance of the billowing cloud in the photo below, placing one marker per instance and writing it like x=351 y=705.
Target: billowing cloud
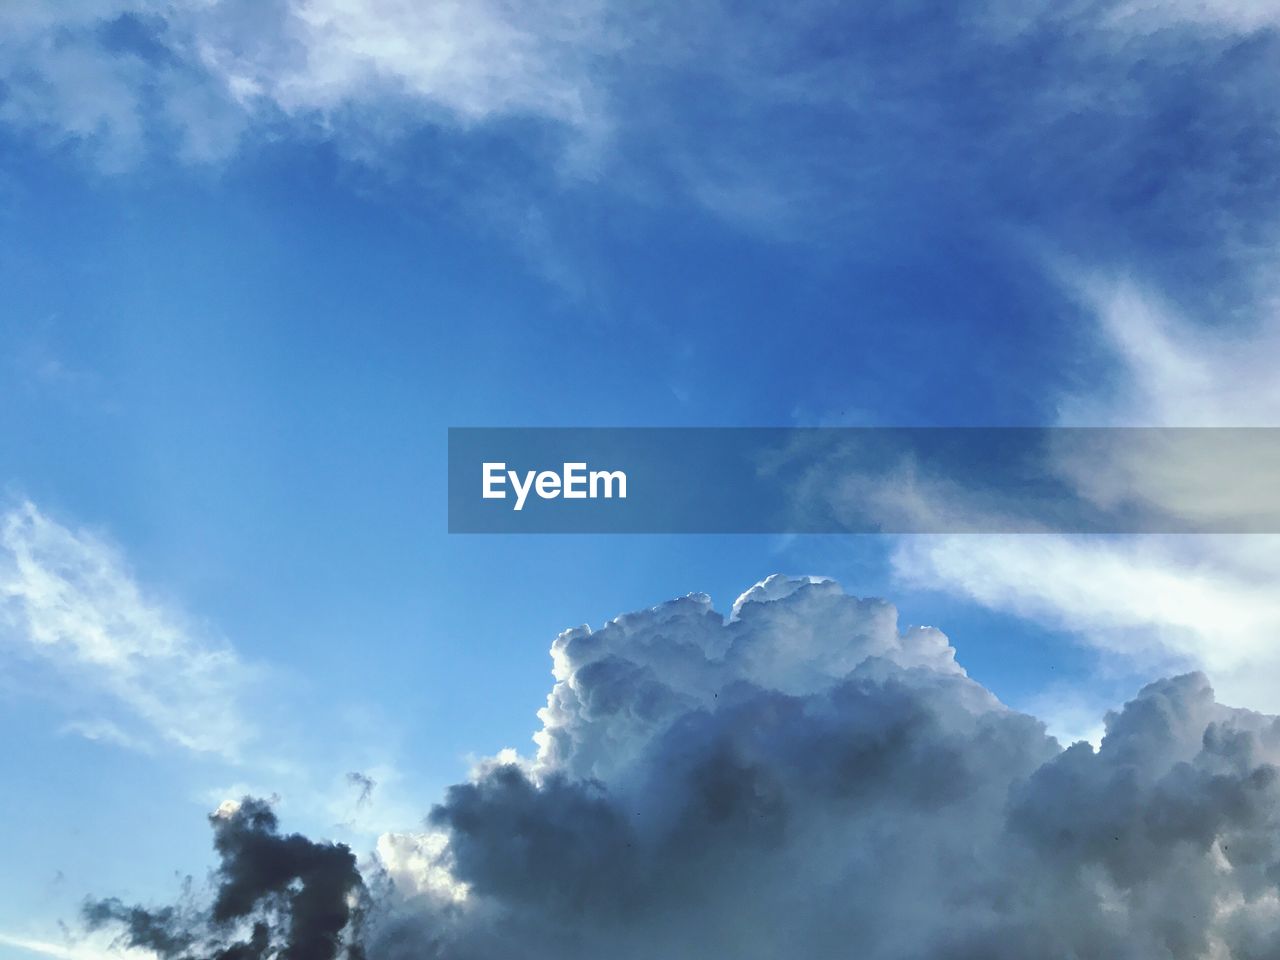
x=806 y=778
x=69 y=602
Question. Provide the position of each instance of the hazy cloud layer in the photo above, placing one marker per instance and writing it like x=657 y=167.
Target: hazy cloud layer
x=193 y=77
x=806 y=778
x=1138 y=134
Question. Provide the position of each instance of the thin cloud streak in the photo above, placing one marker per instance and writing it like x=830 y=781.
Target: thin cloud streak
x=77 y=951
x=69 y=601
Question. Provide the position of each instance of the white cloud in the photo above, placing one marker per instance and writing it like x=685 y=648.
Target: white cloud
x=417 y=863
x=1151 y=604
x=73 y=94
x=104 y=731
x=92 y=949
x=68 y=600
x=1148 y=602
x=210 y=69
x=207 y=69
x=618 y=687
x=1172 y=371
x=1232 y=15
x=676 y=768
x=474 y=58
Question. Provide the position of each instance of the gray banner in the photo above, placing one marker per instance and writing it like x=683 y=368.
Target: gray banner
x=864 y=480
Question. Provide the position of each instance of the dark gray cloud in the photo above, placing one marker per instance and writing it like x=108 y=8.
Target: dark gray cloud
x=802 y=778
x=280 y=896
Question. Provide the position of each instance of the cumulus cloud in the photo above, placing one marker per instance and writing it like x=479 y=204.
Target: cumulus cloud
x=69 y=601
x=806 y=777
x=642 y=670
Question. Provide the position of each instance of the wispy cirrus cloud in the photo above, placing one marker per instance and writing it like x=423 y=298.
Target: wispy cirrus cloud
x=69 y=602
x=1140 y=134
x=127 y=76
x=471 y=60
x=1226 y=14
x=1147 y=604
x=1082 y=116
x=1175 y=368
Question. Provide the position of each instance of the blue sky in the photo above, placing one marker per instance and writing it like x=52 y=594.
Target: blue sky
x=256 y=258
